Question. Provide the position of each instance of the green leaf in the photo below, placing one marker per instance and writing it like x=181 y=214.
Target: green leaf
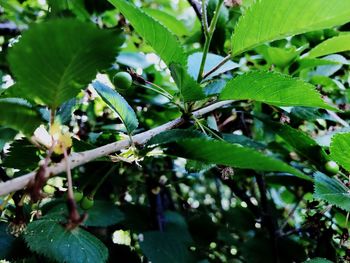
x=54 y=60
x=244 y=141
x=6 y=134
x=49 y=238
x=176 y=223
x=118 y=104
x=273 y=88
x=339 y=149
x=158 y=36
x=22 y=155
x=160 y=247
x=280 y=57
x=75 y=6
x=102 y=214
x=332 y=191
x=172 y=23
x=19 y=114
x=212 y=60
x=301 y=142
x=166 y=46
x=329 y=70
x=269 y=20
x=330 y=46
x=235 y=155
x=305 y=63
x=189 y=88
x=6 y=241
x=65 y=111
x=173 y=136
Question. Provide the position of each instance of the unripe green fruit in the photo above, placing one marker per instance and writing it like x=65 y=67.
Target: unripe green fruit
x=49 y=189
x=78 y=196
x=122 y=80
x=332 y=167
x=87 y=203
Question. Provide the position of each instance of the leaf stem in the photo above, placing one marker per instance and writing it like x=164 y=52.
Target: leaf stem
x=205 y=18
x=219 y=65
x=157 y=91
x=52 y=116
x=208 y=39
x=160 y=88
x=200 y=125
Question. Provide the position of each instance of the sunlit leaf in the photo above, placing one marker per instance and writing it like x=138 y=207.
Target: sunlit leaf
x=340 y=149
x=273 y=88
x=268 y=20
x=330 y=46
x=158 y=36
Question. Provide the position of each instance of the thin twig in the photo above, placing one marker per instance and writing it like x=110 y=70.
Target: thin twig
x=80 y=158
x=337 y=118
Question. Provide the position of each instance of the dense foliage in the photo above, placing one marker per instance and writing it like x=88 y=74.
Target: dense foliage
x=174 y=131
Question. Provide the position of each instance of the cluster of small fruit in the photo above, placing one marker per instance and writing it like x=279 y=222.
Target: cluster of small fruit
x=86 y=202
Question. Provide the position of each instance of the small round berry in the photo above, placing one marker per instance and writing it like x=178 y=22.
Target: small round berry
x=87 y=202
x=332 y=167
x=122 y=80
